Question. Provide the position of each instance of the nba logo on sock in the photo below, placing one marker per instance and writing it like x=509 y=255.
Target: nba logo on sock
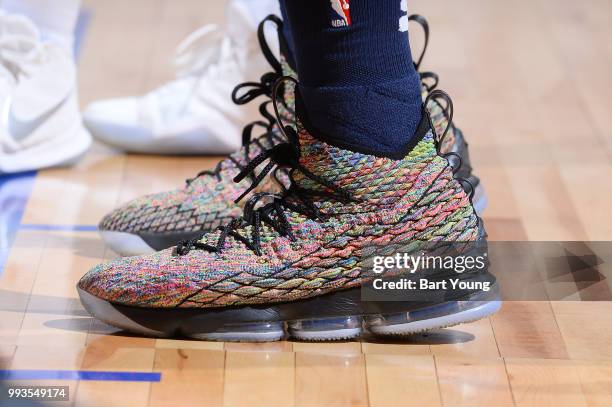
x=340 y=13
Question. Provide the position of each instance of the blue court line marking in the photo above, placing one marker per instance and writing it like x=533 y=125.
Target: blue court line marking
x=15 y=190
x=58 y=228
x=80 y=375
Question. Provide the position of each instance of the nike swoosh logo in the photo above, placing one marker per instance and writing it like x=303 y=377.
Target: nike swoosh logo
x=19 y=130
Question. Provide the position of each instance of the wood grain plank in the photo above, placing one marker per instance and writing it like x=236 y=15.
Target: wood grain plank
x=101 y=357
x=92 y=187
x=528 y=330
x=280 y=346
x=330 y=380
x=545 y=382
x=20 y=270
x=259 y=378
x=187 y=344
x=16 y=283
x=195 y=377
x=594 y=337
x=468 y=381
x=475 y=339
x=395 y=347
x=345 y=348
x=394 y=379
x=6 y=355
x=595 y=379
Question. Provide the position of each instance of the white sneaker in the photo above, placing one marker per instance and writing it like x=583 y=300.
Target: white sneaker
x=194 y=113
x=40 y=123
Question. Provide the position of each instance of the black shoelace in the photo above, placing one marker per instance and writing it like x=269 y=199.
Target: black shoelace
x=272 y=213
x=253 y=91
x=247 y=91
x=422 y=22
x=270 y=135
x=445 y=103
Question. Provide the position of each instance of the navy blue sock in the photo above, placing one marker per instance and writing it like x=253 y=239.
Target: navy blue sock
x=287 y=34
x=358 y=84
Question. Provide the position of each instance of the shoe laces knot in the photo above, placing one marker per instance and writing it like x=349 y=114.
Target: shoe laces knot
x=268 y=208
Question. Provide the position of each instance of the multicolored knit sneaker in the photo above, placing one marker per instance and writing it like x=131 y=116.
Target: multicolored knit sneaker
x=159 y=221
x=295 y=264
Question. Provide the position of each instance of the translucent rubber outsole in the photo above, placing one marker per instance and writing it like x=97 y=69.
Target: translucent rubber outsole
x=411 y=322
x=345 y=328
x=254 y=332
x=326 y=329
x=408 y=324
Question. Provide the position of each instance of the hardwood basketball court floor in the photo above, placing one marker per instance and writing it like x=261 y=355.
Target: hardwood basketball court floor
x=531 y=84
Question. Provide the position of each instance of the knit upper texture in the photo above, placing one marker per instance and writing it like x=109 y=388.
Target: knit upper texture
x=393 y=202
x=200 y=205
